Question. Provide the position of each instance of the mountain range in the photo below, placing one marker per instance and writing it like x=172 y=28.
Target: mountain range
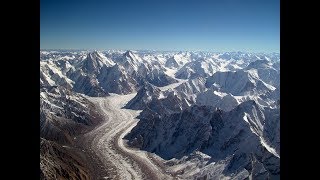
x=217 y=112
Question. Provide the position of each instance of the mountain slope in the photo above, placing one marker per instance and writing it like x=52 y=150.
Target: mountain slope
x=216 y=133
x=56 y=162
x=64 y=115
x=238 y=83
x=266 y=72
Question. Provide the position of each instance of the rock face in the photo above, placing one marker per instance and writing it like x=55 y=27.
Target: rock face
x=56 y=162
x=61 y=110
x=213 y=98
x=63 y=115
x=89 y=86
x=172 y=63
x=144 y=97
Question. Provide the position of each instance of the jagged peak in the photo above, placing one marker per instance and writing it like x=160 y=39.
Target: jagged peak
x=95 y=57
x=130 y=54
x=94 y=54
x=132 y=57
x=99 y=58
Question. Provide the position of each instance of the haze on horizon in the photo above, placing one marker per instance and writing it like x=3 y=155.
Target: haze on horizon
x=217 y=25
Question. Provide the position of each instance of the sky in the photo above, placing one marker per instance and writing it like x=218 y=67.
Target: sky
x=204 y=25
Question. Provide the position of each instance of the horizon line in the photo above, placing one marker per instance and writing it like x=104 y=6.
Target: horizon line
x=208 y=51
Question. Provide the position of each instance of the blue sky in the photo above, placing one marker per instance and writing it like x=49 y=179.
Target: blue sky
x=208 y=25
